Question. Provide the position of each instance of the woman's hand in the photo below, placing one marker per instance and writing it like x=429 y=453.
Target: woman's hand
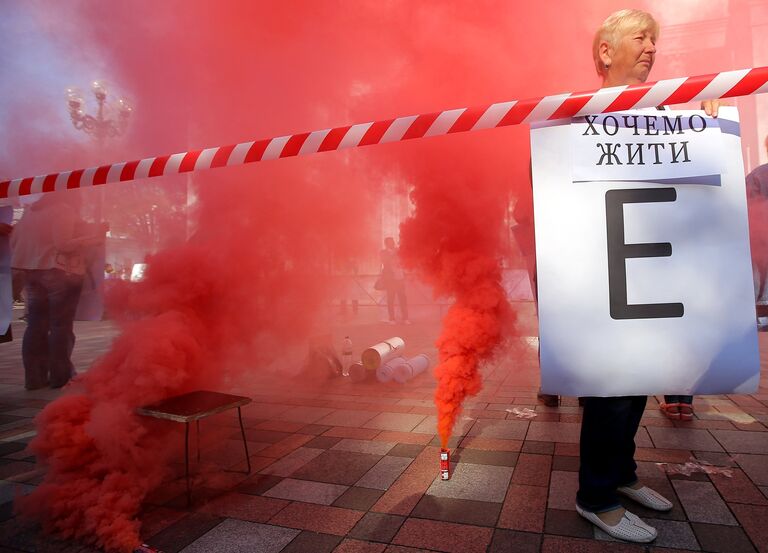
x=711 y=107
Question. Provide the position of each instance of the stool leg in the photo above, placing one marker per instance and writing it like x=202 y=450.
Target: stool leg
x=245 y=443
x=186 y=462
x=198 y=441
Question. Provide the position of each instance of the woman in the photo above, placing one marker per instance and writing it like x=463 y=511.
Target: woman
x=624 y=50
x=677 y=407
x=47 y=245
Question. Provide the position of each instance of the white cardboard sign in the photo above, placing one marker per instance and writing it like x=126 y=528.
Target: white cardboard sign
x=644 y=273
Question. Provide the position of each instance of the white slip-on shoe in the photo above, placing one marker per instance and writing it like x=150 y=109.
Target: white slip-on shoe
x=630 y=527
x=647 y=497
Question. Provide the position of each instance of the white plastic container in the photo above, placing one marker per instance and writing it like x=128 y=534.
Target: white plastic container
x=411 y=368
x=374 y=356
x=386 y=370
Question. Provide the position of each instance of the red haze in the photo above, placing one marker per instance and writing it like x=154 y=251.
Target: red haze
x=249 y=283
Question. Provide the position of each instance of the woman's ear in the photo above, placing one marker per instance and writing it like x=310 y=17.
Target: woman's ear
x=605 y=52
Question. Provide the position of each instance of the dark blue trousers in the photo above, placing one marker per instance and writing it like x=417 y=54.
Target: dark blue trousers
x=46 y=350
x=678 y=399
x=607 y=449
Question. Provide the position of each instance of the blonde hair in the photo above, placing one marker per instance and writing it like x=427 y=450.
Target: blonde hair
x=618 y=25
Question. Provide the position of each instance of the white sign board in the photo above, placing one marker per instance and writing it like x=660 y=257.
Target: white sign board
x=642 y=243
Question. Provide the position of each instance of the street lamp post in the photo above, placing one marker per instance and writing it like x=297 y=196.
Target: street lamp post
x=100 y=127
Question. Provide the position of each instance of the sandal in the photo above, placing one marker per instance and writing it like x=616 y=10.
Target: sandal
x=686 y=412
x=630 y=527
x=671 y=410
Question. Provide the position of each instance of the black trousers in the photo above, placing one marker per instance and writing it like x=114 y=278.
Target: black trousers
x=397 y=288
x=607 y=449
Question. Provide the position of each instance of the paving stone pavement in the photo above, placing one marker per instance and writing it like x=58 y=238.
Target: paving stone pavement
x=354 y=468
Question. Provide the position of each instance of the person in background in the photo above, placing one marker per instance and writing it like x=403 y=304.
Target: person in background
x=393 y=279
x=677 y=407
x=757 y=191
x=346 y=355
x=47 y=246
x=5 y=231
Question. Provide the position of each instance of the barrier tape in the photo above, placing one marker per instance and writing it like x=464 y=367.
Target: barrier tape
x=559 y=106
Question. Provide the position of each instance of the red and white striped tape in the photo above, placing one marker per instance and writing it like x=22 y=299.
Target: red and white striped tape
x=559 y=106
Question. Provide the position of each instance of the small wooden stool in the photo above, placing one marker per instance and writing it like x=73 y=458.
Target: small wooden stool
x=195 y=406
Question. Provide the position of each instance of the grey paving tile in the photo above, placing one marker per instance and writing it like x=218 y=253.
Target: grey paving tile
x=377 y=527
x=453 y=443
x=475 y=482
x=567 y=523
x=258 y=484
x=293 y=461
x=364 y=446
x=738 y=441
x=756 y=467
x=384 y=473
x=406 y=450
x=322 y=442
x=312 y=542
x=306 y=491
x=260 y=436
x=314 y=429
x=674 y=534
x=504 y=429
x=508 y=541
x=564 y=432
x=400 y=422
x=230 y=452
x=309 y=415
x=568 y=463
x=541 y=448
x=347 y=417
x=683 y=438
x=722 y=539
x=716 y=458
x=483 y=457
x=337 y=467
x=563 y=486
x=463 y=511
x=702 y=503
x=239 y=536
x=179 y=534
x=642 y=439
x=265 y=410
x=429 y=426
x=360 y=499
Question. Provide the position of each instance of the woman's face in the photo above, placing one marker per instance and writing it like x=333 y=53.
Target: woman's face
x=631 y=60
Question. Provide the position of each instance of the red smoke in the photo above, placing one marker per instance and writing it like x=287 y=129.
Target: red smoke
x=249 y=284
